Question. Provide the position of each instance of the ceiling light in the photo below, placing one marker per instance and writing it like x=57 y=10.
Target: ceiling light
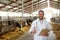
x=14 y=4
x=11 y=0
x=43 y=0
x=55 y=0
x=1 y=4
x=35 y=0
x=15 y=8
x=8 y=6
x=14 y=0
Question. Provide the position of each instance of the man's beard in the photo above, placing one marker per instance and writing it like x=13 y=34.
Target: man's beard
x=41 y=18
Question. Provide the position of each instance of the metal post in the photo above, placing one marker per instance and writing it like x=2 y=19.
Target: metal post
x=22 y=11
x=32 y=8
x=38 y=5
x=58 y=8
x=22 y=8
x=48 y=3
x=8 y=16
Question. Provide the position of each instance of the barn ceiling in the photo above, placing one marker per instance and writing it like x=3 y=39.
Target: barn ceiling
x=16 y=5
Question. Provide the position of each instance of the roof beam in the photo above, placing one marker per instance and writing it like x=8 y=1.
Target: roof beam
x=35 y=3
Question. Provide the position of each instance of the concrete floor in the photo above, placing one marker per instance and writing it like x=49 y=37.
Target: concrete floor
x=26 y=36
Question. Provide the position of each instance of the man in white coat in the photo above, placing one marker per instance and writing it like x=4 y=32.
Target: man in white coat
x=38 y=25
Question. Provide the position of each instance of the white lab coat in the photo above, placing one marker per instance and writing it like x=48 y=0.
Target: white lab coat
x=39 y=25
x=52 y=35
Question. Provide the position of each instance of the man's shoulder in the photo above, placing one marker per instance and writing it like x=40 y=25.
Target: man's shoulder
x=34 y=21
x=47 y=22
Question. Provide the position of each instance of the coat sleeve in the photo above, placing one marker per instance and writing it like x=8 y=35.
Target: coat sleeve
x=32 y=26
x=49 y=26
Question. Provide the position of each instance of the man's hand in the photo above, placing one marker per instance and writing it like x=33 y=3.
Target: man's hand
x=33 y=32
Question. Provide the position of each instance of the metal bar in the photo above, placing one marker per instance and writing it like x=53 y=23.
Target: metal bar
x=38 y=5
x=22 y=8
x=56 y=11
x=32 y=8
x=22 y=11
x=28 y=5
x=48 y=2
x=58 y=8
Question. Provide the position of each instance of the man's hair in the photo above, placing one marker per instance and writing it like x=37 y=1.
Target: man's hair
x=41 y=11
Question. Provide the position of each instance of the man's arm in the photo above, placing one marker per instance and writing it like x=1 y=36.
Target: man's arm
x=45 y=32
x=32 y=29
x=49 y=26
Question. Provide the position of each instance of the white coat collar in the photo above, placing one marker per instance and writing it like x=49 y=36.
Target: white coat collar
x=44 y=20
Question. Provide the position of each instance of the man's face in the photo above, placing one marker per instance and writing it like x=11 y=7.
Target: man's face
x=41 y=15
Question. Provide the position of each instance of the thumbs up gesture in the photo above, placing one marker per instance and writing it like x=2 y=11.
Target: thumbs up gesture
x=34 y=31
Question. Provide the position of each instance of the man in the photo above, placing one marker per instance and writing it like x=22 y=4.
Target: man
x=38 y=25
